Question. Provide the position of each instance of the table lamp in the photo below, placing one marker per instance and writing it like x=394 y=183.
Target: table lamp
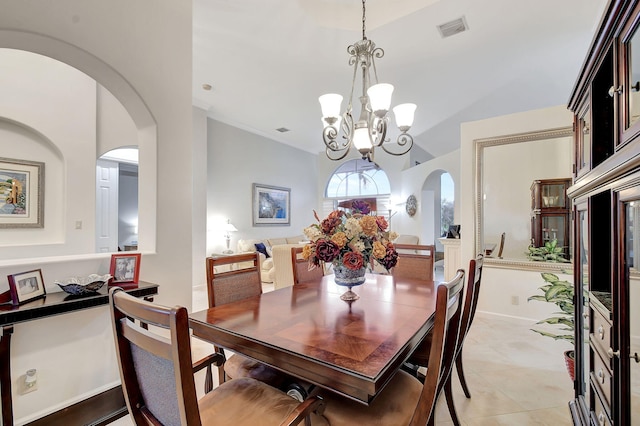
x=228 y=229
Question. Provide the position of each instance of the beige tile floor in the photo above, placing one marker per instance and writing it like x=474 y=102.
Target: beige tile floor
x=516 y=377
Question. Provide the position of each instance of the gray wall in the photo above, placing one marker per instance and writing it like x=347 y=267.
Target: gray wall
x=236 y=160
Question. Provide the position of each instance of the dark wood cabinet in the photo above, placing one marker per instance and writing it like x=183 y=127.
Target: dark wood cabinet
x=605 y=198
x=550 y=212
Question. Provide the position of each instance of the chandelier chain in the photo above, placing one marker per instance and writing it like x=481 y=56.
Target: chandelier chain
x=364 y=9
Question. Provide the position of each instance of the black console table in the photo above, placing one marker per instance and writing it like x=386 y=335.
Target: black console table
x=52 y=304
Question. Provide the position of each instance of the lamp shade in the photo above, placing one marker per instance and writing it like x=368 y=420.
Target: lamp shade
x=330 y=104
x=228 y=227
x=361 y=138
x=380 y=96
x=404 y=115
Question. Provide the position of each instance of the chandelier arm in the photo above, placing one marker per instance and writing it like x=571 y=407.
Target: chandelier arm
x=347 y=127
x=329 y=135
x=404 y=139
x=379 y=126
x=353 y=84
x=329 y=154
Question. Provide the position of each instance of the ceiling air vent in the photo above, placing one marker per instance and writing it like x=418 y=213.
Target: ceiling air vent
x=453 y=27
x=282 y=130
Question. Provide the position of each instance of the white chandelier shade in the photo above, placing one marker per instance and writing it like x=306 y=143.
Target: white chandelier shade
x=370 y=129
x=404 y=114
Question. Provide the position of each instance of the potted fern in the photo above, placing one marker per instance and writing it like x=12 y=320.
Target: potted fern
x=561 y=293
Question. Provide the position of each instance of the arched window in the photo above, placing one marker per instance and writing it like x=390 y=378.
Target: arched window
x=358 y=179
x=447 y=199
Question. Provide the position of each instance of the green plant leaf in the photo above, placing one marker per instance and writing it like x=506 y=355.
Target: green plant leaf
x=549 y=277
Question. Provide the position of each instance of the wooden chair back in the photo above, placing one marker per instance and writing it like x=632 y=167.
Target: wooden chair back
x=301 y=271
x=414 y=261
x=471 y=297
x=156 y=371
x=501 y=247
x=233 y=284
x=444 y=340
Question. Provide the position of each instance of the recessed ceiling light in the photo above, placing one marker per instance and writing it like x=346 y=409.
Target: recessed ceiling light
x=207 y=86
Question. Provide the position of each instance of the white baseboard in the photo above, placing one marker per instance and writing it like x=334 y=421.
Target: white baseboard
x=511 y=317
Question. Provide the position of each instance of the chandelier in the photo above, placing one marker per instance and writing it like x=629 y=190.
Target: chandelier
x=370 y=130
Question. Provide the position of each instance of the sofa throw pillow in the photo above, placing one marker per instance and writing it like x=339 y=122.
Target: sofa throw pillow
x=261 y=248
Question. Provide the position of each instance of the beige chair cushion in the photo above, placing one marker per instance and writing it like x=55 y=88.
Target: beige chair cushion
x=248 y=402
x=394 y=406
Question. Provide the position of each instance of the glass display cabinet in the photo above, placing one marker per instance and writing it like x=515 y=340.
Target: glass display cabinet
x=550 y=212
x=605 y=196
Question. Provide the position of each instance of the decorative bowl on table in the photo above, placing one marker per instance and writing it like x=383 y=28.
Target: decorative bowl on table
x=79 y=286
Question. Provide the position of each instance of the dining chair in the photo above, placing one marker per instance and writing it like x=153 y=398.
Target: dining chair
x=414 y=261
x=157 y=375
x=405 y=400
x=472 y=293
x=301 y=271
x=229 y=279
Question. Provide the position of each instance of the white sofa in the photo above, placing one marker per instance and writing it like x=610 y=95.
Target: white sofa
x=267 y=270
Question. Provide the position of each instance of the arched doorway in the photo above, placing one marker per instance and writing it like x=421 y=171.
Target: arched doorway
x=438 y=199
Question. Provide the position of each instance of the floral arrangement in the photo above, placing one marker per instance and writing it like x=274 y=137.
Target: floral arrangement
x=354 y=240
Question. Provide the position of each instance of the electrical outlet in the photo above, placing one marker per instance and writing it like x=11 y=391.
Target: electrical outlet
x=515 y=300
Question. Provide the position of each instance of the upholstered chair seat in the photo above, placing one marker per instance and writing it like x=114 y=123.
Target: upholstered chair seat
x=393 y=407
x=248 y=402
x=240 y=366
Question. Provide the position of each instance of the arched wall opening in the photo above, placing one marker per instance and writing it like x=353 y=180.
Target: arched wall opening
x=438 y=201
x=143 y=122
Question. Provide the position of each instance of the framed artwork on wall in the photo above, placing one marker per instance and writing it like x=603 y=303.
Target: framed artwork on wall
x=271 y=205
x=26 y=286
x=125 y=268
x=21 y=193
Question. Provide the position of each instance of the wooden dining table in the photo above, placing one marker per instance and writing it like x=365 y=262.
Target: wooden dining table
x=307 y=331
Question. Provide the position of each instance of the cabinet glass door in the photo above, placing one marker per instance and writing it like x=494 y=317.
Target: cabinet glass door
x=632 y=249
x=583 y=302
x=583 y=151
x=632 y=52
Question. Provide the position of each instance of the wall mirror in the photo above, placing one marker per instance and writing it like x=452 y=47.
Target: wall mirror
x=506 y=167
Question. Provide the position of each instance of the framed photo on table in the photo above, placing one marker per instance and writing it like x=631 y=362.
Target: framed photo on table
x=125 y=268
x=26 y=286
x=21 y=193
x=271 y=205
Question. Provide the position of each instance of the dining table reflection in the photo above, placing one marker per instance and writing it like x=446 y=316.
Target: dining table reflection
x=307 y=331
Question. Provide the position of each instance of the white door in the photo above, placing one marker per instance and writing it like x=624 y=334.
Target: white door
x=106 y=206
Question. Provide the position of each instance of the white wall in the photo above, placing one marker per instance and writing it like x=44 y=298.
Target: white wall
x=413 y=180
x=498 y=285
x=237 y=159
x=60 y=134
x=142 y=55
